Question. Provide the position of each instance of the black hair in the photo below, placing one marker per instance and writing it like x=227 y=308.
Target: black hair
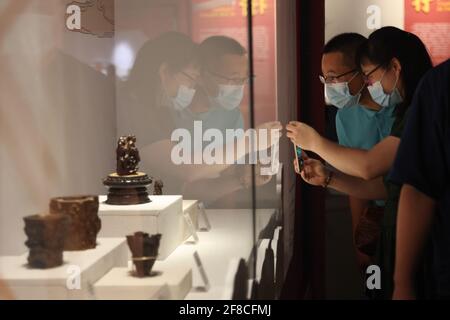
x=174 y=48
x=215 y=47
x=389 y=42
x=347 y=44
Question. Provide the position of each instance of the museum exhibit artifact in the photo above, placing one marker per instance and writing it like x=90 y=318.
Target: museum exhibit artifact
x=158 y=188
x=144 y=251
x=46 y=234
x=84 y=221
x=127 y=185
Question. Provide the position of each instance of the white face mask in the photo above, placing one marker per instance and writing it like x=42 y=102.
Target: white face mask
x=230 y=96
x=183 y=98
x=383 y=99
x=338 y=94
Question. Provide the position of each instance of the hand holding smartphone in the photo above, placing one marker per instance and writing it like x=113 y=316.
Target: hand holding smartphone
x=299 y=157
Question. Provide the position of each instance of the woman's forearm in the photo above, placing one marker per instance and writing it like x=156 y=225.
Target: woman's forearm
x=365 y=164
x=157 y=156
x=415 y=217
x=160 y=152
x=351 y=161
x=359 y=188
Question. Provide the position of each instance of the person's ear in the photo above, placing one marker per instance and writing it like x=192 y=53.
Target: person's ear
x=396 y=66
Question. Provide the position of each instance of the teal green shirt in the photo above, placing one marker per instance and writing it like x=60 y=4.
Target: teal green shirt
x=215 y=118
x=362 y=128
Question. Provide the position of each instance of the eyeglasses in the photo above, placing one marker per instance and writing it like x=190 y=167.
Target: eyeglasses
x=234 y=81
x=333 y=79
x=192 y=78
x=367 y=76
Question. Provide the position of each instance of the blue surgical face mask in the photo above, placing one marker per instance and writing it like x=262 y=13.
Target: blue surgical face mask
x=184 y=98
x=338 y=94
x=230 y=96
x=383 y=99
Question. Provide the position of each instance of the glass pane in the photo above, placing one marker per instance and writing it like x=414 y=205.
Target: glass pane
x=104 y=106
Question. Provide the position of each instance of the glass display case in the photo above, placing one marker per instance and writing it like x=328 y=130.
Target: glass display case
x=141 y=148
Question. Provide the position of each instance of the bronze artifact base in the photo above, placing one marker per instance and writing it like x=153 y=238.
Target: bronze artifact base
x=46 y=234
x=144 y=250
x=84 y=221
x=127 y=190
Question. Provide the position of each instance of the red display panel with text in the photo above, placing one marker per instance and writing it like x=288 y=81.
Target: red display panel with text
x=430 y=20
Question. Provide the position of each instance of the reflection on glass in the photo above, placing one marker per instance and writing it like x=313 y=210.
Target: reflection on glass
x=76 y=76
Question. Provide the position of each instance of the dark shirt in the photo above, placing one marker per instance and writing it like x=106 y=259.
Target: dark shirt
x=385 y=254
x=393 y=189
x=423 y=160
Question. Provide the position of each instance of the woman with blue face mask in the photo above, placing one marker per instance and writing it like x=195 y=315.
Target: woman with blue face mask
x=162 y=82
x=179 y=89
x=383 y=83
x=393 y=62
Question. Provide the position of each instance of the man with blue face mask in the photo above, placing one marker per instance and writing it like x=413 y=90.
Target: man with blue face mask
x=220 y=90
x=360 y=121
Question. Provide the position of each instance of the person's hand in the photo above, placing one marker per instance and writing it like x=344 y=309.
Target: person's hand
x=313 y=173
x=304 y=157
x=303 y=135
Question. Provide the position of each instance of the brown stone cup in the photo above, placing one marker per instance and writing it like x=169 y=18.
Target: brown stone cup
x=144 y=250
x=46 y=234
x=84 y=221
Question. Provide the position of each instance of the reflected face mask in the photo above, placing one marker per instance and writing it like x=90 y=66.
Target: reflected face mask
x=183 y=98
x=230 y=96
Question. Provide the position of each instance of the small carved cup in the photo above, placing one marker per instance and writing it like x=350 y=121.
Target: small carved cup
x=46 y=234
x=144 y=250
x=84 y=221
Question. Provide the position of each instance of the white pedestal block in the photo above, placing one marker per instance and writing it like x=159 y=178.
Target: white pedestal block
x=190 y=207
x=163 y=215
x=168 y=281
x=72 y=280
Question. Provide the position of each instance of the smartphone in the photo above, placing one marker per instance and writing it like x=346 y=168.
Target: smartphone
x=298 y=157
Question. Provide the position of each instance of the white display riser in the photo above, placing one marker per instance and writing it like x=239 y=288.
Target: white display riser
x=191 y=208
x=169 y=281
x=61 y=283
x=164 y=215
